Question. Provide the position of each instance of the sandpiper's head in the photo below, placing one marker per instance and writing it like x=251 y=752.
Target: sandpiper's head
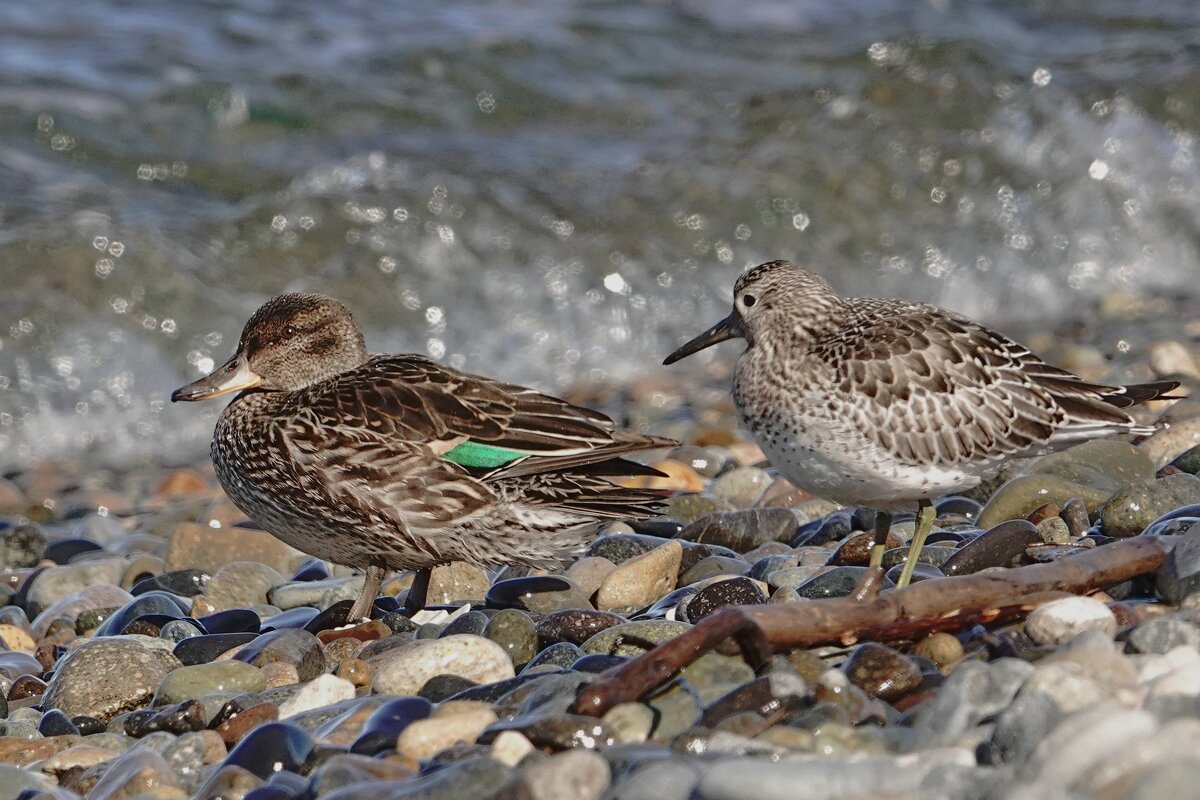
x=777 y=296
x=292 y=341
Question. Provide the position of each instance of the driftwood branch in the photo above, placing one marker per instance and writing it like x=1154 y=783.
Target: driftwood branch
x=925 y=607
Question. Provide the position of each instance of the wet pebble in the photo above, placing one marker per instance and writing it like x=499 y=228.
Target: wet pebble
x=735 y=591
x=835 y=582
x=856 y=550
x=514 y=631
x=196 y=681
x=544 y=594
x=713 y=566
x=574 y=625
x=559 y=655
x=1002 y=546
x=881 y=671
x=297 y=648
x=272 y=747
x=743 y=530
x=1137 y=505
x=203 y=649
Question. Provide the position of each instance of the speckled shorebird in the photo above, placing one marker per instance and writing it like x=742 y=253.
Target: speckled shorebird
x=887 y=404
x=396 y=462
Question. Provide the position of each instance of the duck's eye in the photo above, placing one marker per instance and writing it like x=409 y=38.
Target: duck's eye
x=748 y=300
x=290 y=330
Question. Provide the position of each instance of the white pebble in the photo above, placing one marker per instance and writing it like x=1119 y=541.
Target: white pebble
x=1059 y=620
x=322 y=690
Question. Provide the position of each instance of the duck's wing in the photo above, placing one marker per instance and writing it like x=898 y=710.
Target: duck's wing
x=935 y=388
x=482 y=425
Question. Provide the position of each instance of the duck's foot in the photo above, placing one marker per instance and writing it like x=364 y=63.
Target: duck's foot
x=925 y=518
x=417 y=593
x=361 y=610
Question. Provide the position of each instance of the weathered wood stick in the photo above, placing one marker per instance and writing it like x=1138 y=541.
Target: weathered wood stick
x=932 y=605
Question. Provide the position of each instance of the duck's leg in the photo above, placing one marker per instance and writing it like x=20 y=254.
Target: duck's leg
x=361 y=610
x=415 y=601
x=925 y=517
x=883 y=524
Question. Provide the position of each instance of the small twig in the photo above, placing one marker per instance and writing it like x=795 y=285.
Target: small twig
x=925 y=607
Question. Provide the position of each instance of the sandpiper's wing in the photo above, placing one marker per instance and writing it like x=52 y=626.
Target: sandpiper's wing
x=939 y=389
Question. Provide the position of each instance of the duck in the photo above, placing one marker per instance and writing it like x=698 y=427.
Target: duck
x=399 y=462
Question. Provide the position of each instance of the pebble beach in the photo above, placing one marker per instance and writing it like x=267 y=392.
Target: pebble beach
x=155 y=645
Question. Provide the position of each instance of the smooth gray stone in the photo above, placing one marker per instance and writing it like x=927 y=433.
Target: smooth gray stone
x=973 y=692
x=822 y=778
x=669 y=779
x=1021 y=728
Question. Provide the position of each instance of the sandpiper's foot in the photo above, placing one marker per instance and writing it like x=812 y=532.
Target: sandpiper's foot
x=417 y=593
x=361 y=610
x=925 y=517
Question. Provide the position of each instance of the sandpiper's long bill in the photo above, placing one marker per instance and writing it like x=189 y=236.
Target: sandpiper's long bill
x=887 y=403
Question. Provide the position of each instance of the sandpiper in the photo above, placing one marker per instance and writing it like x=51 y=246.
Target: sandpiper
x=396 y=462
x=887 y=403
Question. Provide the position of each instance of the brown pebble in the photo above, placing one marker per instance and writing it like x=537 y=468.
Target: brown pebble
x=202 y=606
x=1044 y=512
x=356 y=671
x=365 y=632
x=881 y=671
x=279 y=673
x=214 y=747
x=180 y=483
x=141 y=627
x=1074 y=513
x=856 y=550
x=26 y=686
x=46 y=654
x=232 y=730
x=20 y=752
x=942 y=649
x=16 y=638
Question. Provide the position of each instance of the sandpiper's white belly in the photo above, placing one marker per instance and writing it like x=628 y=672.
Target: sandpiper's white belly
x=813 y=439
x=853 y=473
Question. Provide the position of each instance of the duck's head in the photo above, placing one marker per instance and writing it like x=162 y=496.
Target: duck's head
x=772 y=300
x=292 y=341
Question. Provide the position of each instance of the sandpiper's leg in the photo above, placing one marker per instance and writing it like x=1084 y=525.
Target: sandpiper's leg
x=415 y=601
x=925 y=517
x=883 y=524
x=361 y=609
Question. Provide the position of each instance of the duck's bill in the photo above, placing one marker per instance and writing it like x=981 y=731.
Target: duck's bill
x=232 y=376
x=723 y=330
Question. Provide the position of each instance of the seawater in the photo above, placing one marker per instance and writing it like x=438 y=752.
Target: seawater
x=554 y=191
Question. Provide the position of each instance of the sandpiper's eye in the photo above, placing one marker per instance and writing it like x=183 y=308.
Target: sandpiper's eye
x=748 y=300
x=290 y=330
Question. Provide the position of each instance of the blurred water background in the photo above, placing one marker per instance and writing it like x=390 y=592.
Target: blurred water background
x=555 y=191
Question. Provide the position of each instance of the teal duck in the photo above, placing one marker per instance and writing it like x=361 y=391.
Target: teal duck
x=397 y=462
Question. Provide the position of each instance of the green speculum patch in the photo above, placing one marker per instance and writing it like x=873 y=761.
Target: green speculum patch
x=481 y=456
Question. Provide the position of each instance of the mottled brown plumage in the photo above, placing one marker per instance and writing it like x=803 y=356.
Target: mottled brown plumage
x=398 y=462
x=886 y=403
